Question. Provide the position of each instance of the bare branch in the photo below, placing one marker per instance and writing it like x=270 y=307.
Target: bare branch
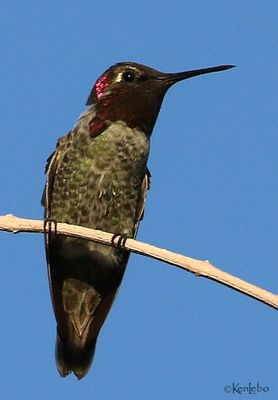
x=13 y=224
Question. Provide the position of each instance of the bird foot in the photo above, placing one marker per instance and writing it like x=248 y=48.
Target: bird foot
x=48 y=224
x=119 y=240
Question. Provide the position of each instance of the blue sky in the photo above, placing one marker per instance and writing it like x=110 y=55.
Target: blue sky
x=214 y=195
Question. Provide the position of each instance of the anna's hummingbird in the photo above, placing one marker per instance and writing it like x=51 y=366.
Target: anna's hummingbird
x=98 y=178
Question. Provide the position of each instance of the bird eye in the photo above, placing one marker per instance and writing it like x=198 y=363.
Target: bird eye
x=128 y=76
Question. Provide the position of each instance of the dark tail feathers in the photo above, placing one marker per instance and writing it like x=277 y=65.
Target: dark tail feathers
x=70 y=358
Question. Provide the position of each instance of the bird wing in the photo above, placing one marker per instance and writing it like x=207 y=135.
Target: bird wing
x=142 y=200
x=51 y=167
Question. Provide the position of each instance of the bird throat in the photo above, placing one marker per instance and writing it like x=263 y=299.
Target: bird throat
x=136 y=111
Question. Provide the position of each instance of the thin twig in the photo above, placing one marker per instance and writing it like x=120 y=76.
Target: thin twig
x=14 y=224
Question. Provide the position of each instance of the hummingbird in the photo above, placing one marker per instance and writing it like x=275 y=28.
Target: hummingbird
x=97 y=177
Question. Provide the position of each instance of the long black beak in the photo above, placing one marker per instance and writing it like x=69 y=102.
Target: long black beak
x=179 y=76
